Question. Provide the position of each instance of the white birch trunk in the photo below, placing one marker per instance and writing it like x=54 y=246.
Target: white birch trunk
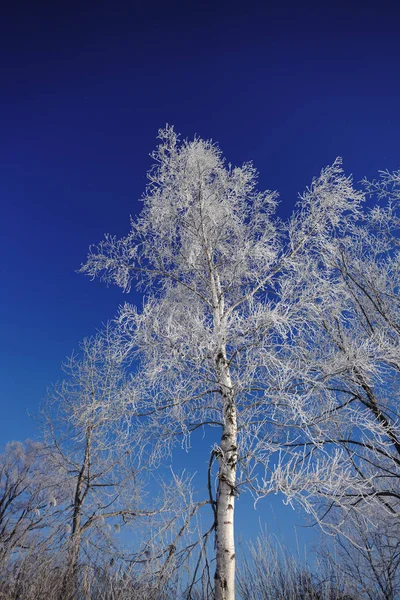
x=227 y=458
x=225 y=502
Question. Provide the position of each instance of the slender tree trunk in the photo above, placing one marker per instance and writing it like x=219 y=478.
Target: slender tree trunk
x=70 y=581
x=75 y=544
x=225 y=502
x=224 y=577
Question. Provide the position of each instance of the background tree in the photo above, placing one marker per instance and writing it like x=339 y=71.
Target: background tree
x=213 y=340
x=25 y=496
x=369 y=557
x=64 y=501
x=348 y=347
x=270 y=572
x=86 y=441
x=27 y=515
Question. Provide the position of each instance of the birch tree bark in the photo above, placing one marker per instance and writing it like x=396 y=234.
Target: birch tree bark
x=227 y=459
x=225 y=503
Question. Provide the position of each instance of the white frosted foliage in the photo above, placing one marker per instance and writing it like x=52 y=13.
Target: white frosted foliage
x=237 y=331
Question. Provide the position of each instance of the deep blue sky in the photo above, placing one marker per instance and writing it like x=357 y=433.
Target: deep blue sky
x=83 y=90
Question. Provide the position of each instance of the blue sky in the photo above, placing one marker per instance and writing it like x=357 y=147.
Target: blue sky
x=83 y=90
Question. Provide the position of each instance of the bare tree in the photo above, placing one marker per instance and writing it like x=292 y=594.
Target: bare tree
x=64 y=501
x=25 y=497
x=95 y=475
x=213 y=340
x=369 y=557
x=349 y=351
x=270 y=572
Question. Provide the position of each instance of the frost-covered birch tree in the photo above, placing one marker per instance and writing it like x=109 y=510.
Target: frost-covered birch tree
x=349 y=348
x=213 y=343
